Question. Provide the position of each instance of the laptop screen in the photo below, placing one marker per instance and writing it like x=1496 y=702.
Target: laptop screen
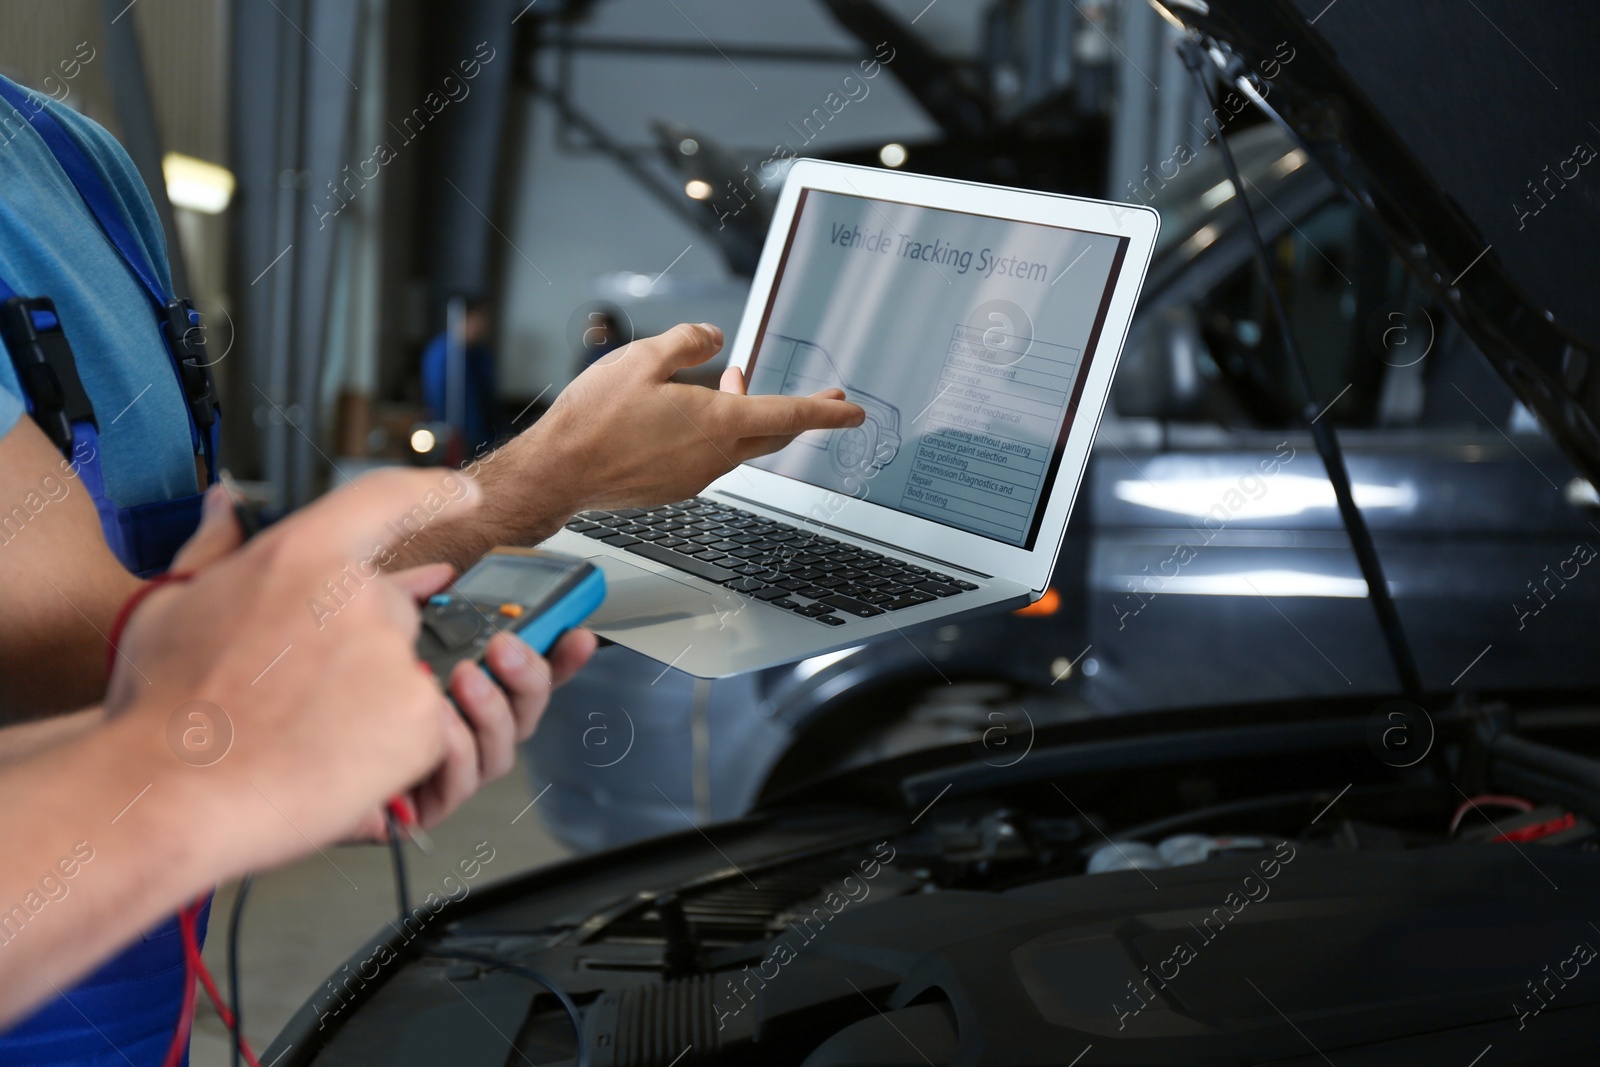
x=966 y=339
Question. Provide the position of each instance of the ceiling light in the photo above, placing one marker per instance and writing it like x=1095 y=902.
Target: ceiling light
x=1263 y=583
x=1200 y=239
x=1217 y=195
x=697 y=189
x=1161 y=9
x=892 y=155
x=195 y=184
x=1292 y=161
x=1228 y=500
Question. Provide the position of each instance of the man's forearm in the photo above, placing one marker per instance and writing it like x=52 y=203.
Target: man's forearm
x=62 y=584
x=30 y=738
x=624 y=434
x=53 y=658
x=531 y=486
x=102 y=842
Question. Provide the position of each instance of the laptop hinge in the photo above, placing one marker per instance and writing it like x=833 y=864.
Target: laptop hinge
x=805 y=520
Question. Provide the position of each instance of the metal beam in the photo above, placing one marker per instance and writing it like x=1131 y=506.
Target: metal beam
x=692 y=49
x=938 y=84
x=136 y=115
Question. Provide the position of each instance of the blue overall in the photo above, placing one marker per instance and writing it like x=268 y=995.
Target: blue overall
x=126 y=1011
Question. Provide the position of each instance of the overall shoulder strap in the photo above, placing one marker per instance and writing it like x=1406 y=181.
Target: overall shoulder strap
x=180 y=324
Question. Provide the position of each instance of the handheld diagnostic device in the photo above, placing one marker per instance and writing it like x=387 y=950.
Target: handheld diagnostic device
x=536 y=595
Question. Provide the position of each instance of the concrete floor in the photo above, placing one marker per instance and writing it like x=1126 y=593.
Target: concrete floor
x=303 y=922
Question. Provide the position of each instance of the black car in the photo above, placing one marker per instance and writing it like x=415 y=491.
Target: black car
x=1386 y=878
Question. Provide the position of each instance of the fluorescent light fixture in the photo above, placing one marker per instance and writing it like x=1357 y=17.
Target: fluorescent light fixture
x=1226 y=500
x=1278 y=583
x=1580 y=493
x=1290 y=162
x=1161 y=9
x=197 y=185
x=1217 y=195
x=1201 y=239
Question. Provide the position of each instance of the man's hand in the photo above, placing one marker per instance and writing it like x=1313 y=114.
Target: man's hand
x=636 y=438
x=245 y=727
x=624 y=434
x=502 y=708
x=327 y=716
x=480 y=744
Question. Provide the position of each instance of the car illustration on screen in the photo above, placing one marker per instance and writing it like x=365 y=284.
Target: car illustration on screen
x=799 y=368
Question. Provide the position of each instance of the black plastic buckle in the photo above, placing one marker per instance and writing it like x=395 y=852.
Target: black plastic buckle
x=46 y=368
x=187 y=336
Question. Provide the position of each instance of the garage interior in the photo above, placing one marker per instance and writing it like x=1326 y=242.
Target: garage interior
x=347 y=184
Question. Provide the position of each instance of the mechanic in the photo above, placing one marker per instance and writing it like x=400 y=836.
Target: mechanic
x=107 y=832
x=480 y=428
x=82 y=520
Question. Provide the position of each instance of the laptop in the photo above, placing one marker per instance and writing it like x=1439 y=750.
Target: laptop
x=979 y=328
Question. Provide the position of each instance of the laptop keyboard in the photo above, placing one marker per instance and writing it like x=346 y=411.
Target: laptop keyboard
x=787 y=566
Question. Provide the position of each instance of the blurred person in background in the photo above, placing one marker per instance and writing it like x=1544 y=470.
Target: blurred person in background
x=479 y=424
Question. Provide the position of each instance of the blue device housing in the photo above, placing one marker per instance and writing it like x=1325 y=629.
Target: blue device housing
x=542 y=631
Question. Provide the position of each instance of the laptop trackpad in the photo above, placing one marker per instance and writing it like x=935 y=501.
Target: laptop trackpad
x=636 y=598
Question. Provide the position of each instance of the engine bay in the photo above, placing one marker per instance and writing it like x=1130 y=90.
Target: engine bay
x=1225 y=908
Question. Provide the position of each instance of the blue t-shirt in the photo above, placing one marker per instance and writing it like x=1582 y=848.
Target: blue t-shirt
x=51 y=246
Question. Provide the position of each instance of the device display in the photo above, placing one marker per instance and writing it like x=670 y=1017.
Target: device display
x=525 y=579
x=534 y=594
x=965 y=337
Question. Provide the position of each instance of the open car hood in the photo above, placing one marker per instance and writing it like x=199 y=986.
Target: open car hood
x=1471 y=132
